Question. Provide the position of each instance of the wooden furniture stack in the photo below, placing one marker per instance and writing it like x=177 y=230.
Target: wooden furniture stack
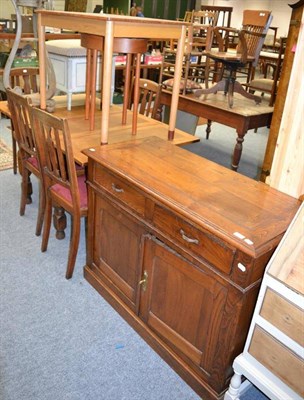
x=178 y=246
x=273 y=358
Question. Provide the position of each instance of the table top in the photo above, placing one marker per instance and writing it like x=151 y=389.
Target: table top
x=125 y=26
x=241 y=105
x=246 y=217
x=83 y=138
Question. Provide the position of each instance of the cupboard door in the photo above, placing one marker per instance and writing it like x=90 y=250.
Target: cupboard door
x=117 y=250
x=182 y=303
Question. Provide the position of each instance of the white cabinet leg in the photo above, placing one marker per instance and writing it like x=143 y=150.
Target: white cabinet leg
x=234 y=387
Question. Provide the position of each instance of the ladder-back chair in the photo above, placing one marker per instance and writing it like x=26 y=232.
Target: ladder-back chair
x=149 y=98
x=20 y=110
x=63 y=187
x=27 y=80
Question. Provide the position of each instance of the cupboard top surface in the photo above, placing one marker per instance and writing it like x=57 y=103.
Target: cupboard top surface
x=244 y=212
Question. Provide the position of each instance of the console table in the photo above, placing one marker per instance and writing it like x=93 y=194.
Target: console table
x=178 y=245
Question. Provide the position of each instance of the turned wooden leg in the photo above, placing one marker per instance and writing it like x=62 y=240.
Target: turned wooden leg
x=208 y=129
x=234 y=388
x=29 y=190
x=237 y=151
x=59 y=222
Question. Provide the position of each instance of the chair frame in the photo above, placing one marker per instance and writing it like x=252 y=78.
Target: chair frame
x=20 y=109
x=26 y=79
x=149 y=98
x=60 y=179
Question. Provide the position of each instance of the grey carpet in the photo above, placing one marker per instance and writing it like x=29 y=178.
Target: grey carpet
x=59 y=340
x=220 y=145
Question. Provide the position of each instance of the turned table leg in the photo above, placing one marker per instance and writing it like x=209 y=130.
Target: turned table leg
x=237 y=153
x=234 y=387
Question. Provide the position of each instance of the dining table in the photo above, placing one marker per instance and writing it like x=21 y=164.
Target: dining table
x=110 y=26
x=83 y=138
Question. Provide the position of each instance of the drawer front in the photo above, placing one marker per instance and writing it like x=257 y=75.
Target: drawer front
x=280 y=360
x=198 y=242
x=285 y=316
x=120 y=190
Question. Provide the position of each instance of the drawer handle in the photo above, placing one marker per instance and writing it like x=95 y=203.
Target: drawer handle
x=187 y=238
x=117 y=189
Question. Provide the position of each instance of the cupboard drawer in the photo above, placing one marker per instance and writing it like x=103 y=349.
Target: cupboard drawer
x=202 y=244
x=285 y=316
x=118 y=188
x=280 y=360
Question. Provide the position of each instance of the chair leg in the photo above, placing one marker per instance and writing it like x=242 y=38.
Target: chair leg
x=41 y=209
x=74 y=244
x=46 y=224
x=14 y=147
x=24 y=190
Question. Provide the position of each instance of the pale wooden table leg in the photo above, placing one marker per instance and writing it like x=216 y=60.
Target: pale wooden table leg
x=176 y=82
x=106 y=85
x=42 y=64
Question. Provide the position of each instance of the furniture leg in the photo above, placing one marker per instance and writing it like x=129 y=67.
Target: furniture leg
x=136 y=94
x=59 y=222
x=14 y=148
x=237 y=153
x=234 y=388
x=75 y=235
x=208 y=129
x=92 y=97
x=88 y=84
x=29 y=190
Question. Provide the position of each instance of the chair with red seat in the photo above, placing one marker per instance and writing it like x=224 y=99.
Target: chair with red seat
x=20 y=110
x=63 y=187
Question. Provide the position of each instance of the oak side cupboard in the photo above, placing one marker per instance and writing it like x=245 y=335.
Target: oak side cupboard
x=178 y=245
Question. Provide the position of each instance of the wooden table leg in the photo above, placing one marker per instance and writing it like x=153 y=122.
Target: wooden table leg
x=237 y=153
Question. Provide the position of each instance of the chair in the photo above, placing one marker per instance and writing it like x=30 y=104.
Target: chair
x=27 y=80
x=199 y=37
x=20 y=109
x=149 y=98
x=265 y=84
x=63 y=187
x=251 y=38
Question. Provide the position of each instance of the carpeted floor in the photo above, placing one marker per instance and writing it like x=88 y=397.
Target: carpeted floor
x=6 y=156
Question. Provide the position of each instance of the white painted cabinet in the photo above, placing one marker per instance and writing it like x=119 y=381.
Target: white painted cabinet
x=273 y=355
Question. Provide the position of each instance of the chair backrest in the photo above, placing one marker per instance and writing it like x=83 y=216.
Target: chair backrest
x=224 y=14
x=253 y=33
x=20 y=109
x=149 y=97
x=55 y=153
x=25 y=78
x=204 y=17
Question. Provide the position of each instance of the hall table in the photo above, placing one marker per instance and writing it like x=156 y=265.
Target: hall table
x=113 y=26
x=178 y=245
x=244 y=115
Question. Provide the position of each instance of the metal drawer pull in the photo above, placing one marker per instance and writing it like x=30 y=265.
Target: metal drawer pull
x=188 y=239
x=117 y=188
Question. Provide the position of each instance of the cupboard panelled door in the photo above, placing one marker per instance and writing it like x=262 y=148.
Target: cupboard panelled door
x=182 y=303
x=117 y=251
